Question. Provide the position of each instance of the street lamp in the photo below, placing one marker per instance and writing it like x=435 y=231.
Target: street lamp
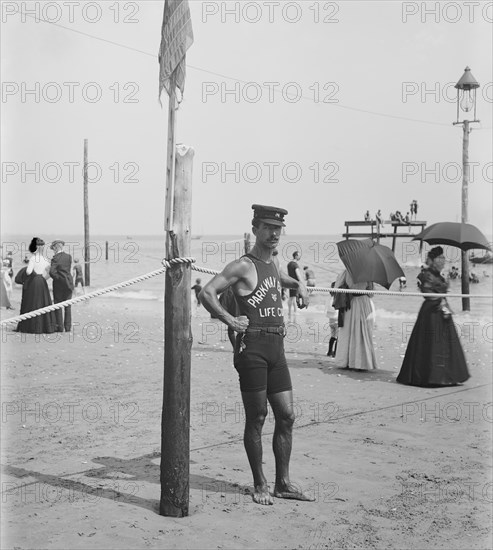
x=466 y=101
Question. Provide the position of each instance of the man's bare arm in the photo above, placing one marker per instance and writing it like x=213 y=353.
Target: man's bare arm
x=231 y=274
x=290 y=282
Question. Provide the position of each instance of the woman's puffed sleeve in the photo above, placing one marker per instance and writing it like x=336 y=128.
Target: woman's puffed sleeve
x=432 y=283
x=30 y=266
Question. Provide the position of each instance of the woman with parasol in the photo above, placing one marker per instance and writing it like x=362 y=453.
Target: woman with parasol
x=355 y=342
x=434 y=355
x=366 y=263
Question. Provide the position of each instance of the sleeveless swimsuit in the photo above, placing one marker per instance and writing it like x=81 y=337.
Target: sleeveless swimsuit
x=259 y=353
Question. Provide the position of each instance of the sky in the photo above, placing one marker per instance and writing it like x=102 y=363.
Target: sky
x=326 y=109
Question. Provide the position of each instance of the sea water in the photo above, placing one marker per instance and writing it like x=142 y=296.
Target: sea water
x=132 y=256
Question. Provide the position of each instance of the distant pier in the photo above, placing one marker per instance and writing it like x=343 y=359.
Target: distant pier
x=379 y=231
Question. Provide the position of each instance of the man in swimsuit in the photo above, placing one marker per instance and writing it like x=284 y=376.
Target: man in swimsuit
x=295 y=273
x=309 y=276
x=259 y=359
x=78 y=276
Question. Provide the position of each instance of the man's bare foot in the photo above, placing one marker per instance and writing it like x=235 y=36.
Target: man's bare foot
x=261 y=495
x=290 y=491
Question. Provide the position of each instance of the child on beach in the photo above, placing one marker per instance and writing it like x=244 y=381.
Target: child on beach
x=78 y=278
x=402 y=282
x=197 y=287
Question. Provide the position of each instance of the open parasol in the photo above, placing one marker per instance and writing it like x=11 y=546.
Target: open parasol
x=462 y=235
x=367 y=261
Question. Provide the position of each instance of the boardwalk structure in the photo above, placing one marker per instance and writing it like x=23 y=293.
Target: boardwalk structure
x=377 y=232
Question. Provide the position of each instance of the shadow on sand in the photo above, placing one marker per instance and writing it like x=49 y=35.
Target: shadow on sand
x=329 y=368
x=124 y=473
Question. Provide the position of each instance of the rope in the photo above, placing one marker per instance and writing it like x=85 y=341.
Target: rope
x=169 y=263
x=205 y=270
x=31 y=314
x=397 y=293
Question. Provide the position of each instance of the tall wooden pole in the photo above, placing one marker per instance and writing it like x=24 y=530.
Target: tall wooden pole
x=87 y=273
x=170 y=156
x=466 y=302
x=175 y=422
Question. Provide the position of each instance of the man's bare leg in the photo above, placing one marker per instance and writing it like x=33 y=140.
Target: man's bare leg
x=255 y=404
x=292 y=305
x=282 y=406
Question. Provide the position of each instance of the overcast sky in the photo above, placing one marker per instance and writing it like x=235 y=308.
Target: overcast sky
x=358 y=113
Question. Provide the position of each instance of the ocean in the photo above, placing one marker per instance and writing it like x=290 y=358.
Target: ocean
x=131 y=256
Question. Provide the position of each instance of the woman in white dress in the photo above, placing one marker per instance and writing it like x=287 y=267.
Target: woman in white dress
x=5 y=286
x=35 y=292
x=355 y=342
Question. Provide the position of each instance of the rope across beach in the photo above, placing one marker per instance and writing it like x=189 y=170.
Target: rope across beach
x=167 y=264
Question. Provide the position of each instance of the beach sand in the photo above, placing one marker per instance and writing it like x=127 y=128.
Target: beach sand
x=389 y=466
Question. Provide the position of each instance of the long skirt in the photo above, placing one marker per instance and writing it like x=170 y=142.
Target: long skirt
x=35 y=295
x=434 y=355
x=4 y=297
x=355 y=344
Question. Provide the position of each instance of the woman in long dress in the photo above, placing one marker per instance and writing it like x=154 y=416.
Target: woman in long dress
x=355 y=342
x=35 y=292
x=434 y=355
x=5 y=286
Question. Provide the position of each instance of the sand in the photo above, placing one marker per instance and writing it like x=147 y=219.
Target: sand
x=389 y=466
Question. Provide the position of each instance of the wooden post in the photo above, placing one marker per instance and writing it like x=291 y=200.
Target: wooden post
x=87 y=270
x=106 y=251
x=466 y=302
x=170 y=158
x=393 y=239
x=175 y=424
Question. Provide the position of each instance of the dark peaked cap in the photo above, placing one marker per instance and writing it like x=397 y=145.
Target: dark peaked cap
x=269 y=214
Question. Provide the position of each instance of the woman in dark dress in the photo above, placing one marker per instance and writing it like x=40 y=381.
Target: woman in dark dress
x=434 y=355
x=35 y=292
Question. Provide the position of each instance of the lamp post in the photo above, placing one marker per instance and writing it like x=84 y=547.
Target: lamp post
x=466 y=101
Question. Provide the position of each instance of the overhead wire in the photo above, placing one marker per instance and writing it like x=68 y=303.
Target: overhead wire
x=243 y=81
